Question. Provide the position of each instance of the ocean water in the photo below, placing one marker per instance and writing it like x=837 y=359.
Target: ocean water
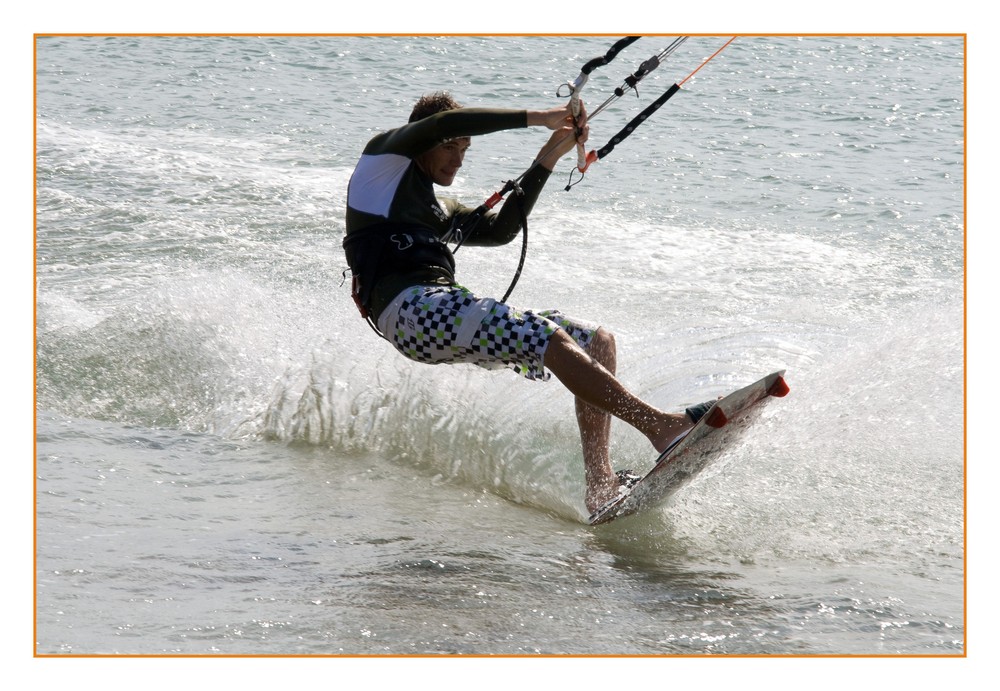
x=229 y=462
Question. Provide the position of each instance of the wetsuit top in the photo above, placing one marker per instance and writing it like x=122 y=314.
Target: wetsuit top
x=394 y=220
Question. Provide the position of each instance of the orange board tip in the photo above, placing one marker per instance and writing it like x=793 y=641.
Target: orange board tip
x=716 y=418
x=779 y=388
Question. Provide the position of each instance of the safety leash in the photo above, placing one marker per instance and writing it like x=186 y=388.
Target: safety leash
x=460 y=233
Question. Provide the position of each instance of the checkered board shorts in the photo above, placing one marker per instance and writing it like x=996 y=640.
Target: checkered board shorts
x=448 y=324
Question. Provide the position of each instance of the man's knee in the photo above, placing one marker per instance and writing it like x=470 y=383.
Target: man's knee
x=603 y=348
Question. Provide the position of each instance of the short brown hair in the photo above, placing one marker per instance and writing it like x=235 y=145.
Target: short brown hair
x=429 y=104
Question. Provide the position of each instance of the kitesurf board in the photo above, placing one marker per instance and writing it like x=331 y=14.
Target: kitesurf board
x=704 y=443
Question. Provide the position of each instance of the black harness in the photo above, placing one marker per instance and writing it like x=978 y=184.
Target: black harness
x=386 y=249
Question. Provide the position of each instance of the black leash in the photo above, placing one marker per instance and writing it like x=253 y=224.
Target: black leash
x=524 y=244
x=464 y=231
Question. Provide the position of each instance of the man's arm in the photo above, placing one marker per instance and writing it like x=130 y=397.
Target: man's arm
x=500 y=228
x=417 y=137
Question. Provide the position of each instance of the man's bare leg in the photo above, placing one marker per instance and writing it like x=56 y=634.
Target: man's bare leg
x=599 y=394
x=595 y=430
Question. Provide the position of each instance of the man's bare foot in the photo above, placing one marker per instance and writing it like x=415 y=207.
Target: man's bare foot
x=602 y=493
x=662 y=432
x=668 y=429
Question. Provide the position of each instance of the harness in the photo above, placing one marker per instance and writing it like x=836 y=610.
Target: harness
x=384 y=249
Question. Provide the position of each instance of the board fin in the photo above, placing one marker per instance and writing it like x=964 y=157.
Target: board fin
x=778 y=388
x=716 y=418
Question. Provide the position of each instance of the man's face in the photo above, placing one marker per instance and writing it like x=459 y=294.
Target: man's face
x=442 y=162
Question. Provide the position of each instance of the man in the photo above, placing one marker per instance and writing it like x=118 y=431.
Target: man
x=404 y=274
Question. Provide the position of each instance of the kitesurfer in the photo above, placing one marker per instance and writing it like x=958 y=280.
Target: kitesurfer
x=405 y=283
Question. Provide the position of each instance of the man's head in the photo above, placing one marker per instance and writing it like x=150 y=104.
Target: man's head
x=441 y=163
x=429 y=104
